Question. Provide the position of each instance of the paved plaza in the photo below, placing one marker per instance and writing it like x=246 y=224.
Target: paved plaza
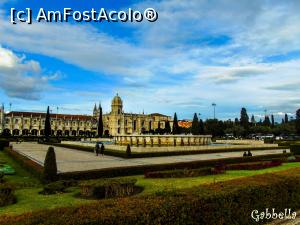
x=73 y=160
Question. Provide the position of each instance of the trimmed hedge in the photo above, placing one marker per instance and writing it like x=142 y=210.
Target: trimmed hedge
x=253 y=166
x=58 y=187
x=229 y=202
x=1 y=177
x=136 y=170
x=7 y=196
x=3 y=144
x=108 y=188
x=133 y=154
x=183 y=173
x=33 y=167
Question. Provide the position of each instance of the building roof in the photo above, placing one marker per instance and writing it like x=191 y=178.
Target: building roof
x=39 y=114
x=117 y=100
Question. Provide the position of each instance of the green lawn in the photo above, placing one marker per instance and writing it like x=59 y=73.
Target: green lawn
x=22 y=176
x=29 y=199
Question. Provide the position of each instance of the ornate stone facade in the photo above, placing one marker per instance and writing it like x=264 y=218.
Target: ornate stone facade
x=114 y=123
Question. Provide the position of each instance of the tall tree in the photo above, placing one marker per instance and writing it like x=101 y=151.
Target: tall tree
x=47 y=128
x=168 y=127
x=272 y=121
x=100 y=123
x=286 y=118
x=298 y=121
x=267 y=121
x=201 y=127
x=195 y=125
x=244 y=119
x=253 y=120
x=175 y=129
x=236 y=121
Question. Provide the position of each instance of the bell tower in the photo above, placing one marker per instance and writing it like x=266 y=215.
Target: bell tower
x=117 y=105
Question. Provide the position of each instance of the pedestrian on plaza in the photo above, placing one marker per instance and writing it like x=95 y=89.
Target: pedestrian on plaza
x=97 y=148
x=102 y=149
x=245 y=154
x=249 y=153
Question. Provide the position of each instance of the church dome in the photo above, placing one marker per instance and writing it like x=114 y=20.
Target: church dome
x=117 y=100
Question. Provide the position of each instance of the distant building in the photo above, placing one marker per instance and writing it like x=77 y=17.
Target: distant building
x=114 y=123
x=184 y=123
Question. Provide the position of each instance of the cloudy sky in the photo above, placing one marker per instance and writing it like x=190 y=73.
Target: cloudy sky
x=235 y=53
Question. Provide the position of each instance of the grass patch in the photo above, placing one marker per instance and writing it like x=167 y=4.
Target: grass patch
x=22 y=177
x=30 y=200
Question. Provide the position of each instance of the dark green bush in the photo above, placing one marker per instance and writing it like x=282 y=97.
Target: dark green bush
x=108 y=188
x=58 y=187
x=7 y=196
x=1 y=177
x=50 y=167
x=180 y=173
x=3 y=144
x=295 y=149
x=53 y=188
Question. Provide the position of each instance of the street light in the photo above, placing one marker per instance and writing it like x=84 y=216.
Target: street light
x=214 y=105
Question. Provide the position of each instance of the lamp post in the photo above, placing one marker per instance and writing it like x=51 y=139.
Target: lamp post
x=214 y=105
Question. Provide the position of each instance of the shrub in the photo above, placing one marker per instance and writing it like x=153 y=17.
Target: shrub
x=53 y=188
x=1 y=177
x=253 y=166
x=108 y=188
x=179 y=173
x=7 y=196
x=295 y=149
x=58 y=187
x=50 y=167
x=3 y=144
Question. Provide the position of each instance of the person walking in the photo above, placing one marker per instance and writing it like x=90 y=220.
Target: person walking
x=249 y=153
x=97 y=149
x=102 y=149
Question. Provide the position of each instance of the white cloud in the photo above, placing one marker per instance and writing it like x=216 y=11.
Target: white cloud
x=20 y=78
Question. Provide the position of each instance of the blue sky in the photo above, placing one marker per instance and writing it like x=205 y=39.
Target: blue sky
x=234 y=53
